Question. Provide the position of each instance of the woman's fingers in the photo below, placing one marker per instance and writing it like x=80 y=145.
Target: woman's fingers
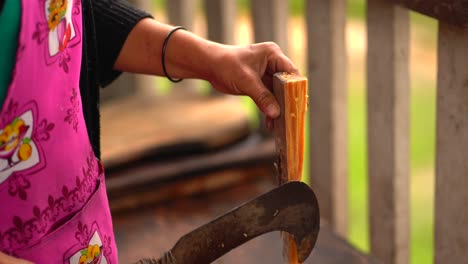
x=277 y=61
x=263 y=98
x=249 y=71
x=269 y=124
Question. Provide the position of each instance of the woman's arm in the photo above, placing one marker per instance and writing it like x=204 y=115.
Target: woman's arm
x=5 y=259
x=245 y=70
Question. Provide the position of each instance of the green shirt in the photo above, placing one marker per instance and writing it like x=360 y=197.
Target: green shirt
x=10 y=17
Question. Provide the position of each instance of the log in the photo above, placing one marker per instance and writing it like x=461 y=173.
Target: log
x=289 y=130
x=449 y=11
x=224 y=120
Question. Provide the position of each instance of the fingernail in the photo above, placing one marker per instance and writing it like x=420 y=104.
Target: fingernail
x=272 y=111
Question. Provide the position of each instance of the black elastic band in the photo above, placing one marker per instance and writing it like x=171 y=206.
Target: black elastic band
x=163 y=56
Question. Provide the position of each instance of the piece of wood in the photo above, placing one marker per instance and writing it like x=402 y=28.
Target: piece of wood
x=388 y=130
x=328 y=159
x=451 y=195
x=134 y=177
x=135 y=127
x=151 y=230
x=176 y=188
x=289 y=128
x=447 y=11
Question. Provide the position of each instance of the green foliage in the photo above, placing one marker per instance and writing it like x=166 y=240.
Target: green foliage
x=159 y=4
x=356 y=9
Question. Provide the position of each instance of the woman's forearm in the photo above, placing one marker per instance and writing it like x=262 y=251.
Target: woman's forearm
x=187 y=55
x=5 y=259
x=240 y=70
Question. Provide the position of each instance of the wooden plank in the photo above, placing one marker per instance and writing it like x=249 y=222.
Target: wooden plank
x=289 y=128
x=135 y=127
x=151 y=230
x=388 y=131
x=221 y=18
x=270 y=20
x=328 y=103
x=448 y=11
x=179 y=188
x=132 y=178
x=451 y=215
x=291 y=93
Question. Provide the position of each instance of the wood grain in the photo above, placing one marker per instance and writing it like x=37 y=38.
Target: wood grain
x=451 y=195
x=155 y=180
x=289 y=128
x=388 y=130
x=328 y=157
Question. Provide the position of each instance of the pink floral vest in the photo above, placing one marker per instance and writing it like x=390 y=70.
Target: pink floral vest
x=54 y=206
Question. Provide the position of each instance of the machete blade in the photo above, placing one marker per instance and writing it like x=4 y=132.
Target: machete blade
x=292 y=208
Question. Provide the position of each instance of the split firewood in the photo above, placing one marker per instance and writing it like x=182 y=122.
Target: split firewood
x=289 y=129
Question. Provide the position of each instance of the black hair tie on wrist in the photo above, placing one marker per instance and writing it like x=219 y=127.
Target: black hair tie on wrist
x=163 y=56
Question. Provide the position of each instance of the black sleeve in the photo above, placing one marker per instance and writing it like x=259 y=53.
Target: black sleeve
x=114 y=19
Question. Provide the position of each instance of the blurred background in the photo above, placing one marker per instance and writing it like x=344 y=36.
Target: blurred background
x=422 y=121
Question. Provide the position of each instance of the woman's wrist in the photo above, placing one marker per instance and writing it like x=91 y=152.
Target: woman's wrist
x=211 y=63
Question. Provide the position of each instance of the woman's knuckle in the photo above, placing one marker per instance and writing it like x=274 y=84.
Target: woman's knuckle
x=263 y=98
x=272 y=46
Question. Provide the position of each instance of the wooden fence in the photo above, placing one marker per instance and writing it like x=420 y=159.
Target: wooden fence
x=388 y=111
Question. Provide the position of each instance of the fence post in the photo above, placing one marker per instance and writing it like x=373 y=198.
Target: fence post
x=328 y=95
x=221 y=18
x=388 y=130
x=270 y=19
x=451 y=195
x=181 y=12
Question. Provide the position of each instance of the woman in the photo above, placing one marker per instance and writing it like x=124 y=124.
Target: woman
x=54 y=56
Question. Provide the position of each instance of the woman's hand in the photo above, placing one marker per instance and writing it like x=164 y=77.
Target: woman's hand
x=249 y=70
x=246 y=70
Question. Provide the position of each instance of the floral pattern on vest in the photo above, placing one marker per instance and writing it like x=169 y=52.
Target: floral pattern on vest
x=52 y=186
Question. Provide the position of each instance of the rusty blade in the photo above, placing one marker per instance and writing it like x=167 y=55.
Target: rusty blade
x=292 y=208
